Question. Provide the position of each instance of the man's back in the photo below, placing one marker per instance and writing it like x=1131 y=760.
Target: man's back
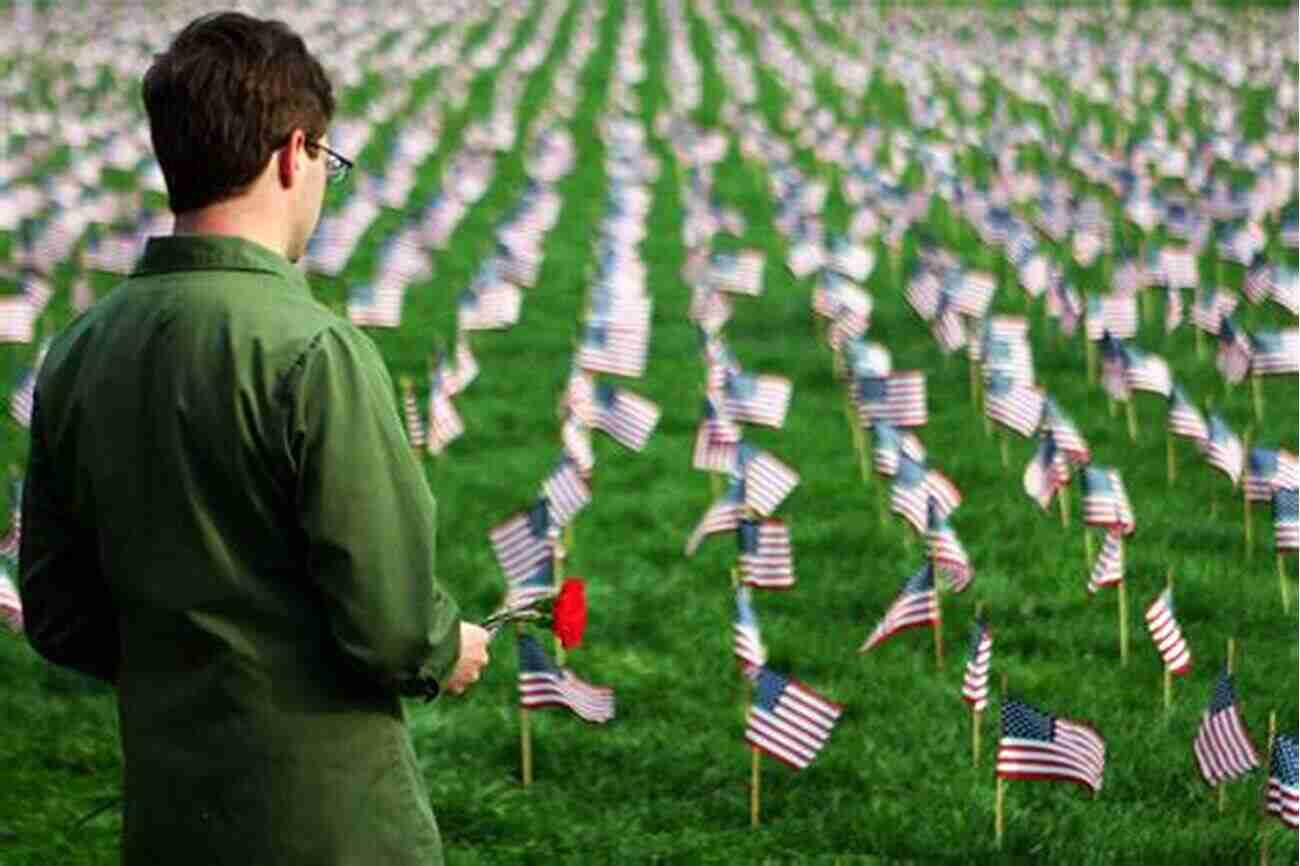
x=221 y=459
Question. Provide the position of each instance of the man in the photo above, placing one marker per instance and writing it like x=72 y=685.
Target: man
x=221 y=515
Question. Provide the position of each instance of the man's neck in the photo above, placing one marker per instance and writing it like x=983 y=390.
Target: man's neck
x=233 y=219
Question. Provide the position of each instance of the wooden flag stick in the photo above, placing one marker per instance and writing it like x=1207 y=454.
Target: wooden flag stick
x=1169 y=676
x=753 y=786
x=973 y=367
x=1132 y=420
x=1246 y=528
x=1123 y=625
x=525 y=747
x=1006 y=456
x=557 y=575
x=1090 y=357
x=1062 y=498
x=938 y=620
x=1223 y=789
x=1283 y=584
x=1087 y=549
x=1263 y=804
x=1257 y=397
x=997 y=820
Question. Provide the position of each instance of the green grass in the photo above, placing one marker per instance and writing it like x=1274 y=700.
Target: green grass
x=667 y=781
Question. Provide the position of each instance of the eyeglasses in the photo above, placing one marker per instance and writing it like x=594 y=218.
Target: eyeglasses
x=337 y=165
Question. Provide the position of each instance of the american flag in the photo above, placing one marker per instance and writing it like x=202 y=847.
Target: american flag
x=1268 y=469
x=747 y=639
x=523 y=543
x=575 y=439
x=766 y=556
x=451 y=378
x=757 y=399
x=1283 y=791
x=445 y=425
x=1108 y=569
x=411 y=411
x=540 y=583
x=788 y=720
x=908 y=496
x=579 y=396
x=542 y=683
x=971 y=292
x=1016 y=407
x=710 y=309
x=1222 y=746
x=898 y=398
x=853 y=260
x=1115 y=313
x=1173 y=309
x=738 y=273
x=490 y=307
x=889 y=443
x=12 y=540
x=946 y=327
x=1038 y=745
x=946 y=550
x=565 y=493
x=923 y=293
x=724 y=515
x=613 y=347
x=768 y=481
x=917 y=604
x=716 y=440
x=1147 y=371
x=1105 y=501
x=1275 y=353
x=1167 y=634
x=627 y=417
x=1113 y=379
x=1234 y=355
x=1223 y=449
x=11 y=606
x=1047 y=471
x=1184 y=418
x=1286 y=530
x=17 y=317
x=1257 y=285
x=20 y=402
x=975 y=682
x=1178 y=268
x=1065 y=434
x=1005 y=350
x=1210 y=309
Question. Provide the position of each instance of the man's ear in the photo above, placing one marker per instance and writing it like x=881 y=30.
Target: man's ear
x=288 y=159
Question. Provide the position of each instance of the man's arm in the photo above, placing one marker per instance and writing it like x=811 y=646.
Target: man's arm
x=369 y=518
x=69 y=615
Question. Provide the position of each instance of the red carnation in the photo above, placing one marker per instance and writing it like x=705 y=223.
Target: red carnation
x=569 y=614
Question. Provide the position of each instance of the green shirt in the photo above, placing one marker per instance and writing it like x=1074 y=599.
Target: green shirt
x=223 y=518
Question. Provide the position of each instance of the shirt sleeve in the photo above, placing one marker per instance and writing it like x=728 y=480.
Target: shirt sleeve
x=69 y=614
x=369 y=518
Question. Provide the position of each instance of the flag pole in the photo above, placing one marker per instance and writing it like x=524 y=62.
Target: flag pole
x=976 y=714
x=1087 y=548
x=754 y=779
x=1132 y=420
x=1169 y=676
x=1263 y=799
x=1006 y=456
x=557 y=574
x=1282 y=584
x=998 y=810
x=1245 y=501
x=1062 y=495
x=1232 y=645
x=525 y=736
x=937 y=627
x=1123 y=624
x=1257 y=396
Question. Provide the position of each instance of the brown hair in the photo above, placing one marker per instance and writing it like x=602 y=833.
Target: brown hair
x=226 y=93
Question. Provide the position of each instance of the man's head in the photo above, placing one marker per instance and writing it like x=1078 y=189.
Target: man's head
x=236 y=101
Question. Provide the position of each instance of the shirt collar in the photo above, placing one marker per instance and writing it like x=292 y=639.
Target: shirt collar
x=165 y=254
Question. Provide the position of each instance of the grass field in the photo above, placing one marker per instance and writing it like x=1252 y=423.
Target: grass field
x=667 y=780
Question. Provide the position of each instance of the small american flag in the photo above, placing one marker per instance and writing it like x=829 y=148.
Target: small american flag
x=445 y=425
x=12 y=539
x=747 y=639
x=917 y=604
x=768 y=481
x=1210 y=309
x=1178 y=267
x=1113 y=377
x=738 y=273
x=947 y=328
x=1108 y=569
x=613 y=347
x=1283 y=790
x=1268 y=469
x=539 y=584
x=1286 y=530
x=1047 y=471
x=490 y=307
x=757 y=399
x=1146 y=371
x=788 y=720
x=923 y=293
x=1016 y=407
x=946 y=550
x=1167 y=634
x=451 y=378
x=565 y=493
x=522 y=543
x=724 y=515
x=1234 y=355
x=1065 y=435
x=1184 y=418
x=889 y=443
x=898 y=398
x=766 y=557
x=1173 y=309
x=11 y=606
x=542 y=683
x=1275 y=353
x=1258 y=282
x=575 y=439
x=627 y=417
x=1105 y=501
x=1222 y=746
x=411 y=412
x=716 y=440
x=1038 y=745
x=975 y=682
x=1223 y=449
x=1115 y=313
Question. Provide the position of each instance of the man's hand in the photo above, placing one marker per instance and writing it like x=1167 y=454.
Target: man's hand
x=473 y=658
